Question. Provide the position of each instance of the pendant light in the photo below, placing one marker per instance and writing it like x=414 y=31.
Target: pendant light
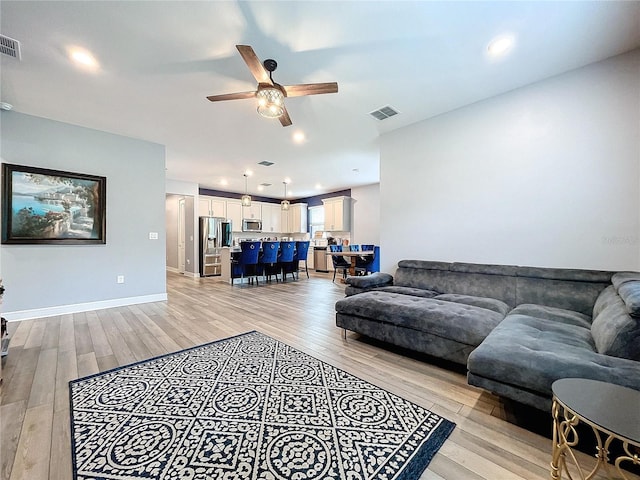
x=284 y=204
x=246 y=198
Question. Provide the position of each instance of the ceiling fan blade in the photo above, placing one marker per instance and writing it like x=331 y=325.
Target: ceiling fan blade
x=231 y=96
x=255 y=65
x=310 y=89
x=285 y=120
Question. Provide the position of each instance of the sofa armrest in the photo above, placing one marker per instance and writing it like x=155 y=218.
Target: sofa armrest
x=377 y=279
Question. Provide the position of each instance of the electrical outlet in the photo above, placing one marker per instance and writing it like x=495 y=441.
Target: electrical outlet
x=153 y=235
x=120 y=279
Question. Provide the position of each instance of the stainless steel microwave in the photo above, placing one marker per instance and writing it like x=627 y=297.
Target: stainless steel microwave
x=251 y=225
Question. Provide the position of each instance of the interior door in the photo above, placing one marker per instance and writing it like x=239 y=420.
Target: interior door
x=181 y=235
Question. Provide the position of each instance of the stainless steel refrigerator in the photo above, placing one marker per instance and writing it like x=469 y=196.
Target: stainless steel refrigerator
x=215 y=233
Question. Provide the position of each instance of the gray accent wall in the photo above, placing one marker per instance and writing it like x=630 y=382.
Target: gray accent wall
x=47 y=277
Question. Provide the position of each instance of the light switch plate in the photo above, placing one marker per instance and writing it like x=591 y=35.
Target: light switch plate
x=153 y=235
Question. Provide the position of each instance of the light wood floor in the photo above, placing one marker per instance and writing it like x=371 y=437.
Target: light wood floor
x=46 y=353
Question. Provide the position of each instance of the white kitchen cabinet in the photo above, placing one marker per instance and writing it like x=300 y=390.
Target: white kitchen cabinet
x=297 y=218
x=337 y=214
x=271 y=218
x=285 y=221
x=254 y=212
x=234 y=213
x=211 y=207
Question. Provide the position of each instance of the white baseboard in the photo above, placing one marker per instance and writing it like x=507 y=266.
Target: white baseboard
x=81 y=307
x=185 y=273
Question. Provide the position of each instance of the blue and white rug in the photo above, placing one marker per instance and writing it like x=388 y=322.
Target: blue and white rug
x=247 y=407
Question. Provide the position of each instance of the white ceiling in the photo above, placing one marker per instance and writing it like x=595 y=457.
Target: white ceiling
x=160 y=59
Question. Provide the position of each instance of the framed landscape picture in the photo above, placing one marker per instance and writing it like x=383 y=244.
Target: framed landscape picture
x=44 y=206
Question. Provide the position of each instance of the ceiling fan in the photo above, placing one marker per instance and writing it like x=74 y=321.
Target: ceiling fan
x=270 y=94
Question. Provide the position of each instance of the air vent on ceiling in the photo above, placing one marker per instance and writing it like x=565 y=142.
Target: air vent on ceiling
x=384 y=112
x=265 y=163
x=10 y=47
x=266 y=184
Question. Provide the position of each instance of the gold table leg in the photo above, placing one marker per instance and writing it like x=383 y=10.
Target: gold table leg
x=565 y=437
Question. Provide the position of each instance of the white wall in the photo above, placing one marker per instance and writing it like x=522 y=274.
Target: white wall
x=46 y=280
x=365 y=217
x=546 y=175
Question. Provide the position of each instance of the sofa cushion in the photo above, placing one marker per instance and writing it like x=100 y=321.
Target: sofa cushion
x=466 y=324
x=614 y=331
x=607 y=297
x=493 y=281
x=415 y=292
x=561 y=315
x=376 y=279
x=630 y=294
x=621 y=277
x=482 y=302
x=531 y=353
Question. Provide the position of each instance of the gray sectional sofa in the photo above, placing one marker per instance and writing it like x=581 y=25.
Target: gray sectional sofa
x=517 y=329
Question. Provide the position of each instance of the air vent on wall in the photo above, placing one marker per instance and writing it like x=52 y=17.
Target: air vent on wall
x=265 y=163
x=384 y=112
x=10 y=47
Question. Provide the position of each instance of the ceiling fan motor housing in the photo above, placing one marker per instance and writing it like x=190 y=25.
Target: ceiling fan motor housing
x=270 y=65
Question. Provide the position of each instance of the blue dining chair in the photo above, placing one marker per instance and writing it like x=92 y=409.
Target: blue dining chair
x=285 y=260
x=268 y=264
x=365 y=264
x=339 y=263
x=354 y=248
x=248 y=261
x=302 y=248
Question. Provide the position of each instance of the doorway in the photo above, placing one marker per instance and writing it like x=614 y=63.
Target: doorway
x=181 y=236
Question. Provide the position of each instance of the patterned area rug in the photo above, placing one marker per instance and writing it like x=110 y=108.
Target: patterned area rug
x=247 y=407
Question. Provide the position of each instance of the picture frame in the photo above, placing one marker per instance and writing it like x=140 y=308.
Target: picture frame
x=44 y=206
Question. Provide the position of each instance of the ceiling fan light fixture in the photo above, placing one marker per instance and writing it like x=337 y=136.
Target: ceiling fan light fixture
x=270 y=102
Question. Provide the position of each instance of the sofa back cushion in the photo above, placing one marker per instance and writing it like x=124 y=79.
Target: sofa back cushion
x=478 y=280
x=616 y=332
x=565 y=288
x=570 y=289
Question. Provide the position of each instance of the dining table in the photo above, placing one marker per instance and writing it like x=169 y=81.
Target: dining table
x=352 y=256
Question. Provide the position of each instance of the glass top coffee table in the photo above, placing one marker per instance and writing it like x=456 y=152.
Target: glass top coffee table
x=612 y=411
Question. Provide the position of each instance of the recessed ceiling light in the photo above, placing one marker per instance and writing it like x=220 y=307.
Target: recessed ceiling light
x=318 y=186
x=224 y=182
x=260 y=188
x=83 y=58
x=499 y=46
x=287 y=180
x=248 y=173
x=299 y=137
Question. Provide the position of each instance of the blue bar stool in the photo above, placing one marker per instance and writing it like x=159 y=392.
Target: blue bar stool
x=269 y=260
x=302 y=248
x=248 y=261
x=287 y=252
